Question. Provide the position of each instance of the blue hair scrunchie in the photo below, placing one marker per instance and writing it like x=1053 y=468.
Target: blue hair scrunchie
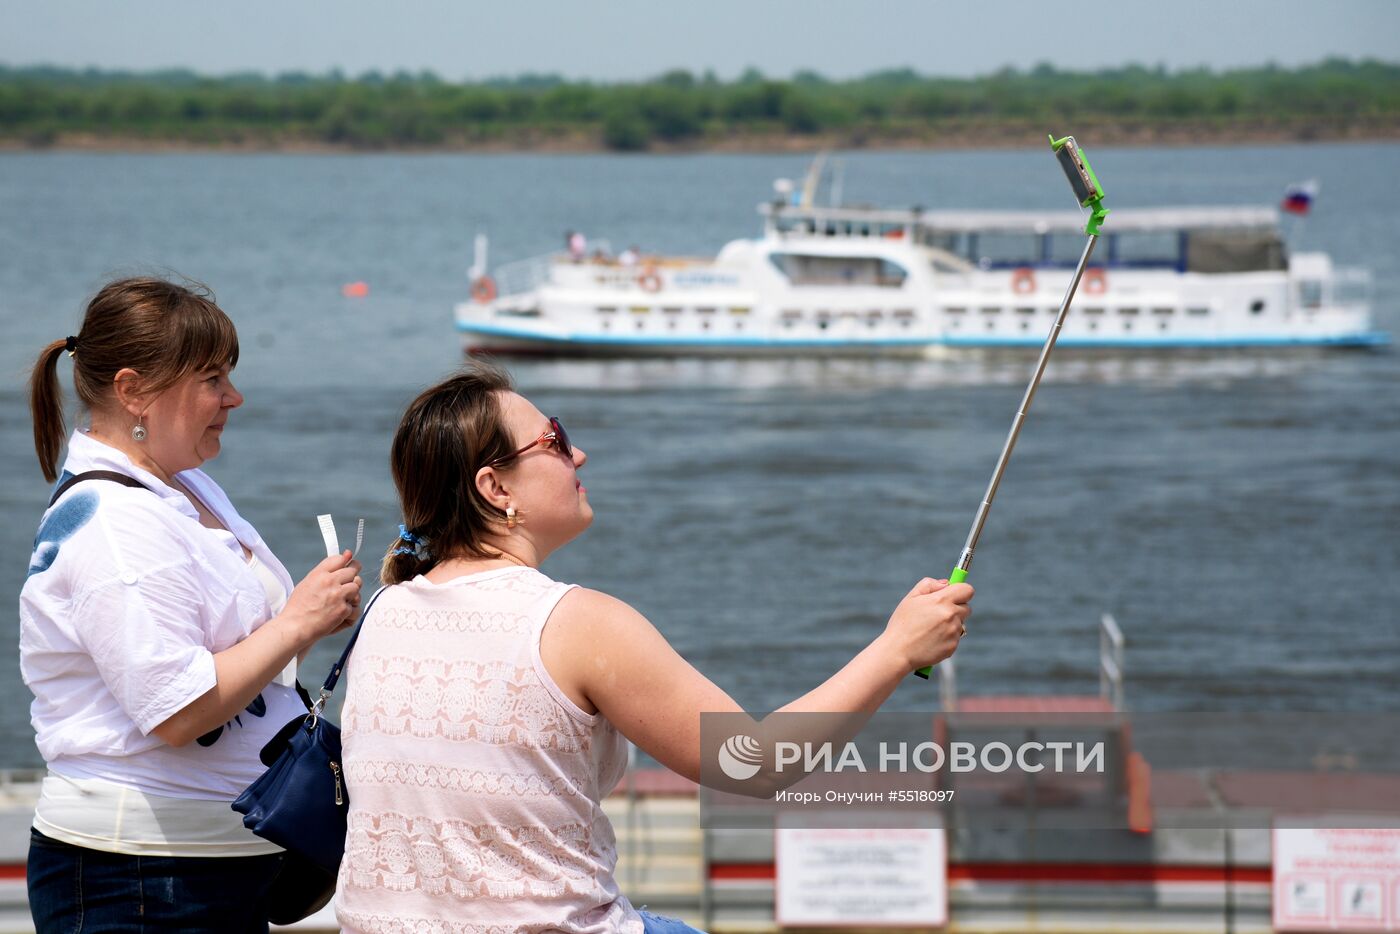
x=406 y=536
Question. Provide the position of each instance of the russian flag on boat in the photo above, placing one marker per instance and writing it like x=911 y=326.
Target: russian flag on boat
x=1297 y=199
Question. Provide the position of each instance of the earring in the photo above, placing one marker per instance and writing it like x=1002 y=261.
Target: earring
x=510 y=517
x=138 y=431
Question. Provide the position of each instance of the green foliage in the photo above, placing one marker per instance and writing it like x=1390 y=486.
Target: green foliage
x=40 y=105
x=624 y=131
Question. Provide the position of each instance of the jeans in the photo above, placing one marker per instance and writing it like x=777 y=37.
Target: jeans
x=75 y=890
x=657 y=924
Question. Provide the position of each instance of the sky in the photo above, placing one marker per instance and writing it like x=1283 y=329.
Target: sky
x=619 y=40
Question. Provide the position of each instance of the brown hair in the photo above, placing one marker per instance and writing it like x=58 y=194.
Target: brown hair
x=162 y=330
x=448 y=434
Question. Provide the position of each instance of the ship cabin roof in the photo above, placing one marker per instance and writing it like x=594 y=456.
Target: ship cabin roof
x=1184 y=239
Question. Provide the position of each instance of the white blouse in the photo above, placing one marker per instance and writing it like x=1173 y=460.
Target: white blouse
x=127 y=600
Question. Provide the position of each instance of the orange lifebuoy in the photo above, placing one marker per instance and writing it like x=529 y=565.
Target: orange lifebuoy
x=1095 y=281
x=649 y=280
x=483 y=290
x=1023 y=280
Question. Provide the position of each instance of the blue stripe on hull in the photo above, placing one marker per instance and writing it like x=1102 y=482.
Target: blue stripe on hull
x=752 y=344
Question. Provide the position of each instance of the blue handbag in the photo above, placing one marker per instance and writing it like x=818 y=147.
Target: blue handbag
x=300 y=802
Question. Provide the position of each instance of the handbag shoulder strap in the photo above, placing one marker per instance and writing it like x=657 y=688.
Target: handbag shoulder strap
x=329 y=687
x=111 y=475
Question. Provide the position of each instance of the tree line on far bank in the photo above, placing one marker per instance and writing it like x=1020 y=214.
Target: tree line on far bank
x=43 y=105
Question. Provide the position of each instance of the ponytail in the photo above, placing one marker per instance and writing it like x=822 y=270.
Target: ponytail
x=401 y=563
x=46 y=407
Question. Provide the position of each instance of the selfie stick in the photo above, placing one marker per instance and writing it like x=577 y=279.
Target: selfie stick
x=1089 y=195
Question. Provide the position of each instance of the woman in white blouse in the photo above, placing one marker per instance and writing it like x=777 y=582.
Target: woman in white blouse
x=158 y=633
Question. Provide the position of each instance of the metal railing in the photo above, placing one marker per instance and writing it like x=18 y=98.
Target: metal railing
x=1351 y=288
x=523 y=275
x=1111 y=661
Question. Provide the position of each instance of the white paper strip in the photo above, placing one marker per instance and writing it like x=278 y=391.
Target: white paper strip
x=328 y=535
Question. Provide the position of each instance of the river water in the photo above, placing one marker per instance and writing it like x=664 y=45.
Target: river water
x=1236 y=513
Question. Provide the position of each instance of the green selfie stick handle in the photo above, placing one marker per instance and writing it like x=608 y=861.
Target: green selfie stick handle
x=1089 y=193
x=957 y=577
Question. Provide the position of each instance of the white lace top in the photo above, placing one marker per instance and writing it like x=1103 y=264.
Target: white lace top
x=475 y=783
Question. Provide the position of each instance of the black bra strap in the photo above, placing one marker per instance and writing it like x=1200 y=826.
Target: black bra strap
x=111 y=475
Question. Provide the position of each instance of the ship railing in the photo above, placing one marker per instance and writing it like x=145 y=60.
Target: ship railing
x=648 y=272
x=1351 y=288
x=526 y=275
x=523 y=275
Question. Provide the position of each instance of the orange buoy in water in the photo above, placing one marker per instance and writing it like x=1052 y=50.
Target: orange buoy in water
x=355 y=289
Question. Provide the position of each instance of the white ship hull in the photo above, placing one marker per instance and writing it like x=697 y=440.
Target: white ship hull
x=858 y=292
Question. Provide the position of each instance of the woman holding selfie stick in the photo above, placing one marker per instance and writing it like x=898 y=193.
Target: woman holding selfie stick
x=158 y=632
x=487 y=703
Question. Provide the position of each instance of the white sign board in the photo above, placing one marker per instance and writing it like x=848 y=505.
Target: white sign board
x=849 y=876
x=1336 y=879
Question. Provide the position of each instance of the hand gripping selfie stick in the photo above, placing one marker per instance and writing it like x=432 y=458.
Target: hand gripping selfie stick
x=1090 y=195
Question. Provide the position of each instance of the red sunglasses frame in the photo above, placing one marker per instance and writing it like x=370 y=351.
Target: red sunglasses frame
x=556 y=435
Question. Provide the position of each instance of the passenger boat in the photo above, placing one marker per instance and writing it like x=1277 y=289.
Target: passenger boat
x=862 y=281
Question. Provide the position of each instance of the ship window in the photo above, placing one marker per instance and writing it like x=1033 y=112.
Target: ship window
x=640 y=324
x=1310 y=293
x=955 y=310
x=992 y=250
x=1093 y=311
x=991 y=310
x=606 y=310
x=671 y=311
x=704 y=325
x=1146 y=249
x=1235 y=251
x=706 y=311
x=639 y=309
x=1256 y=306
x=805 y=269
x=791 y=314
x=1198 y=312
x=1025 y=311
x=1164 y=311
x=1129 y=312
x=1064 y=250
x=738 y=311
x=1025 y=325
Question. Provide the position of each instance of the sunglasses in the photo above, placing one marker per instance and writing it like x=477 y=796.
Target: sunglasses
x=556 y=435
